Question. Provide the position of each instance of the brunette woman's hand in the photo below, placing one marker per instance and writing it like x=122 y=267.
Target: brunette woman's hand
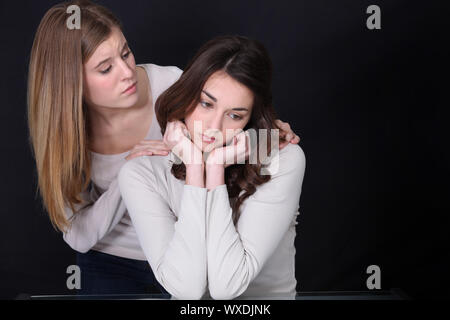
x=286 y=133
x=177 y=139
x=235 y=152
x=148 y=148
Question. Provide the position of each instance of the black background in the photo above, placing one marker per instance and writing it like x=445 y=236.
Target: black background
x=367 y=104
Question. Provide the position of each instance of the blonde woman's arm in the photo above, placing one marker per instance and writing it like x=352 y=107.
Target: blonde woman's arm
x=100 y=213
x=92 y=222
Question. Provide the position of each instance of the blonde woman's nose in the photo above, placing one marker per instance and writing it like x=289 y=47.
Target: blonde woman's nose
x=128 y=72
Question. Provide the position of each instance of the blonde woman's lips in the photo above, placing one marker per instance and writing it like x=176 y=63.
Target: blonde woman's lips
x=131 y=89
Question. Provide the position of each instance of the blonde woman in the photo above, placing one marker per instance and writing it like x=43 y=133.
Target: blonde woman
x=90 y=110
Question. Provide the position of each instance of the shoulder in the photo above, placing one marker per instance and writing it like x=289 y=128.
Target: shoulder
x=146 y=169
x=161 y=77
x=171 y=72
x=287 y=161
x=163 y=73
x=174 y=72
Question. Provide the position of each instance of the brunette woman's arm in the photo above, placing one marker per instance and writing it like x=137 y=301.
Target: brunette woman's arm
x=236 y=254
x=175 y=246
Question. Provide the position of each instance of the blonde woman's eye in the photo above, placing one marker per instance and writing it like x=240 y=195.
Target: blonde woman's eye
x=106 y=71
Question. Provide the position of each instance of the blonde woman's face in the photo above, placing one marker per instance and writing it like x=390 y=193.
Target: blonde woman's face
x=109 y=72
x=225 y=104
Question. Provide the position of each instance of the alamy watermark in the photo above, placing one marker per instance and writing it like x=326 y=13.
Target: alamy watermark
x=374 y=20
x=374 y=281
x=74 y=21
x=74 y=280
x=252 y=146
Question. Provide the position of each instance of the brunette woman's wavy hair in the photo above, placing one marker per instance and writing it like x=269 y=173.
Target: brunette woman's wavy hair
x=247 y=62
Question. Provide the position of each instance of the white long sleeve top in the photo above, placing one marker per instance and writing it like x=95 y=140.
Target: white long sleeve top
x=105 y=224
x=188 y=236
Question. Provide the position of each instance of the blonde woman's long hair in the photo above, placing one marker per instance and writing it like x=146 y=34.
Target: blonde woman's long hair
x=57 y=115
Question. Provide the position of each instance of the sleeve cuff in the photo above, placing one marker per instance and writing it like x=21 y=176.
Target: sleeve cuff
x=193 y=202
x=218 y=189
x=218 y=203
x=194 y=188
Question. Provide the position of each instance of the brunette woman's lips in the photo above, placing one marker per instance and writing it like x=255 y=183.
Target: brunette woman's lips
x=207 y=139
x=131 y=89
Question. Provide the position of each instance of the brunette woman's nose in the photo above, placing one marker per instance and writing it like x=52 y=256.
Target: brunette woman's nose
x=216 y=122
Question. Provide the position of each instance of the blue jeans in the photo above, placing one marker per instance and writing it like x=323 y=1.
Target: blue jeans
x=103 y=273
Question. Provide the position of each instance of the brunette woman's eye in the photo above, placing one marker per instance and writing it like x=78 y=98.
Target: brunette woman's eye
x=235 y=116
x=126 y=55
x=205 y=104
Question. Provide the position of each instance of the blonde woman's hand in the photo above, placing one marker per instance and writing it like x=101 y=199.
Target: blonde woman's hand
x=286 y=133
x=177 y=139
x=148 y=148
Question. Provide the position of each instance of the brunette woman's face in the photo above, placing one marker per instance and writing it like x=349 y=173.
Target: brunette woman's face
x=109 y=72
x=225 y=104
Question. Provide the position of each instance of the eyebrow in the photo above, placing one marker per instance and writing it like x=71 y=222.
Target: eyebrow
x=106 y=60
x=215 y=100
